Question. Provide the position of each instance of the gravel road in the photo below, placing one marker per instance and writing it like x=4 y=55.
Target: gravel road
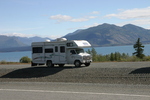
x=107 y=72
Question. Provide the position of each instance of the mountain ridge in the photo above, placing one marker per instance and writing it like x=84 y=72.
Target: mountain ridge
x=112 y=35
x=16 y=43
x=101 y=35
x=6 y=41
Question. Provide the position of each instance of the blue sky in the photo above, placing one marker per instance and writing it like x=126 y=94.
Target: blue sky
x=56 y=18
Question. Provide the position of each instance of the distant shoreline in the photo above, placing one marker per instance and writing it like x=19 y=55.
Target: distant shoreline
x=28 y=48
x=15 y=49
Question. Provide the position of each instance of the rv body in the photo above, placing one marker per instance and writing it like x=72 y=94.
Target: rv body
x=60 y=52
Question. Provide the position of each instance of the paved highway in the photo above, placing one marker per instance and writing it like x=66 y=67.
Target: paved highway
x=72 y=91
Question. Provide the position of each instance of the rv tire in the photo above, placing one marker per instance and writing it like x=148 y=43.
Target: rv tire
x=33 y=64
x=61 y=65
x=49 y=64
x=77 y=63
x=87 y=64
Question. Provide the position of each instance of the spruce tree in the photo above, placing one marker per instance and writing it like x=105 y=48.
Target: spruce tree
x=139 y=49
x=112 y=57
x=94 y=54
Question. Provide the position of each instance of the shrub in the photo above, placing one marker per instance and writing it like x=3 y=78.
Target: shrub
x=146 y=58
x=25 y=59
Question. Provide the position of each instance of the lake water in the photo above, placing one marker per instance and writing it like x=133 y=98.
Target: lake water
x=15 y=56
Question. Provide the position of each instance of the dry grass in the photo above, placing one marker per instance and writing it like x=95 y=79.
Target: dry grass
x=6 y=62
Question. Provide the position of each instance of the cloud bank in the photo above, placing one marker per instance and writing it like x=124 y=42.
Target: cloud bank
x=132 y=13
x=66 y=18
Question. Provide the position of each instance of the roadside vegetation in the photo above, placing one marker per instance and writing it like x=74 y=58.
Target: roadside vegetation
x=25 y=59
x=115 y=57
x=22 y=60
x=6 y=62
x=137 y=55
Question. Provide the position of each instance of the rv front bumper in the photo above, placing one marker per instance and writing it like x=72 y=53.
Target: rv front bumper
x=86 y=61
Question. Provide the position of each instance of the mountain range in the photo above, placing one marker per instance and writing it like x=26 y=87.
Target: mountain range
x=111 y=35
x=101 y=35
x=16 y=43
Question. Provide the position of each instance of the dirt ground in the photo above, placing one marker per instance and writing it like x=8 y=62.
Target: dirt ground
x=108 y=72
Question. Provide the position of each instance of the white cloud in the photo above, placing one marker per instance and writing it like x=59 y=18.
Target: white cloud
x=61 y=18
x=92 y=17
x=95 y=12
x=141 y=22
x=18 y=34
x=65 y=18
x=79 y=20
x=136 y=16
x=30 y=35
x=132 y=13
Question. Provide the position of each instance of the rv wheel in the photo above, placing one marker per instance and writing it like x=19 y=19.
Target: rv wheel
x=61 y=65
x=87 y=64
x=77 y=63
x=50 y=64
x=33 y=64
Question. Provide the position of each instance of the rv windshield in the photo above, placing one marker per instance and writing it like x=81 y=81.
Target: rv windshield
x=79 y=51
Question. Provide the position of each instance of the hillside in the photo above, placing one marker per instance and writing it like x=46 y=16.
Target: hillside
x=6 y=42
x=111 y=35
x=15 y=43
x=28 y=41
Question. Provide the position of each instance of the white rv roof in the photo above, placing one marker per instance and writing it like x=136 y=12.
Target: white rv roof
x=82 y=43
x=77 y=43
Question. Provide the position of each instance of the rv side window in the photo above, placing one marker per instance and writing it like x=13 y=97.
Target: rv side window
x=49 y=50
x=72 y=52
x=69 y=44
x=37 y=50
x=62 y=49
x=56 y=49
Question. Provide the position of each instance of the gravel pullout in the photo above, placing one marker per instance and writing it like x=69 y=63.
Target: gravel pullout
x=110 y=72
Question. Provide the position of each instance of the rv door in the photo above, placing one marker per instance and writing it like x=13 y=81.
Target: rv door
x=71 y=56
x=56 y=54
x=62 y=53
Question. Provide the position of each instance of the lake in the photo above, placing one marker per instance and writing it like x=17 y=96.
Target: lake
x=15 y=56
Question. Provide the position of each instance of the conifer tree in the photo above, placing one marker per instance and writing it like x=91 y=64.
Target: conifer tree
x=139 y=49
x=94 y=54
x=112 y=56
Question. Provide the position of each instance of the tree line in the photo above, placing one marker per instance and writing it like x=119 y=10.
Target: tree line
x=137 y=55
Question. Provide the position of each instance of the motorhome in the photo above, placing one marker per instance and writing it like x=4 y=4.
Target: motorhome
x=61 y=52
